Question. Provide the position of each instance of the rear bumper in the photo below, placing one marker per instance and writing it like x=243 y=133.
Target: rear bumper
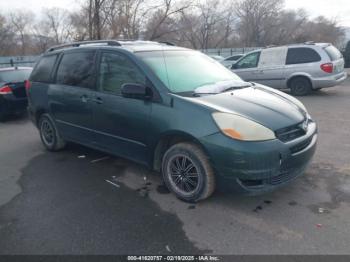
x=257 y=167
x=329 y=81
x=9 y=104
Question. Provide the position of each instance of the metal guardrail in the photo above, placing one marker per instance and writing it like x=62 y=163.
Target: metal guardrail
x=11 y=61
x=225 y=52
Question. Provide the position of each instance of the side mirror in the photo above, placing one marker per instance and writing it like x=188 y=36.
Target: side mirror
x=136 y=91
x=234 y=66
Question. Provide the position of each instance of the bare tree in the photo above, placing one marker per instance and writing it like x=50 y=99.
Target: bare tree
x=208 y=24
x=22 y=22
x=198 y=24
x=162 y=21
x=256 y=17
x=6 y=37
x=58 y=23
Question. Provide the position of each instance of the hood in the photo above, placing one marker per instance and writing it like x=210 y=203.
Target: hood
x=263 y=105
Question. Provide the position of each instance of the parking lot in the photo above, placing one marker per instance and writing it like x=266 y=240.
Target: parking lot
x=80 y=201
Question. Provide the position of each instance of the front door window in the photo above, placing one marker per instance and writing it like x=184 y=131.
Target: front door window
x=249 y=61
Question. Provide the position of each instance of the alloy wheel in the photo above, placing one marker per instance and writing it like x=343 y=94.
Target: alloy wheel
x=183 y=174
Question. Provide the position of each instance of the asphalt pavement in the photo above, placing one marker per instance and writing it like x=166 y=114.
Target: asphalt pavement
x=81 y=201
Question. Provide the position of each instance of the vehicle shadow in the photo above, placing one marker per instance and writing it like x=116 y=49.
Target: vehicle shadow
x=147 y=183
x=15 y=118
x=69 y=191
x=67 y=206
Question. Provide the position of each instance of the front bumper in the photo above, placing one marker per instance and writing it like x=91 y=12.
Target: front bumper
x=258 y=167
x=329 y=81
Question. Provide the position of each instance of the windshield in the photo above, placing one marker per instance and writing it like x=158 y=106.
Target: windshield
x=14 y=75
x=184 y=71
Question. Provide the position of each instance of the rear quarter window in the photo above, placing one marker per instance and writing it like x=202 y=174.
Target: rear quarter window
x=333 y=53
x=302 y=55
x=42 y=71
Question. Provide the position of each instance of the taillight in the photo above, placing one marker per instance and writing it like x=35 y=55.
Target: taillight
x=328 y=68
x=5 y=90
x=27 y=84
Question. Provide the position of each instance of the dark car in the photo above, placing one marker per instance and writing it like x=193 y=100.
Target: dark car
x=13 y=98
x=174 y=110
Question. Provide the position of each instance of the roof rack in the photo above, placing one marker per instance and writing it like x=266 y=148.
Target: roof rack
x=77 y=44
x=167 y=43
x=309 y=42
x=107 y=42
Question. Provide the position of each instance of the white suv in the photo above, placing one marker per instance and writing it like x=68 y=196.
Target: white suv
x=300 y=67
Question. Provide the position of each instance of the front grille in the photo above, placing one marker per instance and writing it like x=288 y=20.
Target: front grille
x=282 y=178
x=301 y=146
x=290 y=133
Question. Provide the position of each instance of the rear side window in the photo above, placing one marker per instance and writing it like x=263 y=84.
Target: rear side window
x=333 y=53
x=77 y=69
x=43 y=70
x=301 y=55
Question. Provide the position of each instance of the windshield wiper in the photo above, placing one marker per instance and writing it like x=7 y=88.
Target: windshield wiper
x=221 y=87
x=199 y=94
x=235 y=88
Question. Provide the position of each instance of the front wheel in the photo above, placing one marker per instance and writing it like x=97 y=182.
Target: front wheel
x=49 y=134
x=188 y=173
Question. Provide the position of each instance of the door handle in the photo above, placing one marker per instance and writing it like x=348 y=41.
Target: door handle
x=84 y=98
x=98 y=100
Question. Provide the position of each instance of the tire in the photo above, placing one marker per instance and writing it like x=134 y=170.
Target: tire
x=187 y=172
x=300 y=86
x=49 y=134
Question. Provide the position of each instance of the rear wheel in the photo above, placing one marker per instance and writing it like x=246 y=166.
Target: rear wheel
x=300 y=86
x=188 y=173
x=49 y=134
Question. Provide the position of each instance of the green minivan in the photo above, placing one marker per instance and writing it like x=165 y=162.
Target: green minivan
x=173 y=109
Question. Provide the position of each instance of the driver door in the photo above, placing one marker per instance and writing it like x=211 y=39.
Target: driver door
x=120 y=123
x=247 y=67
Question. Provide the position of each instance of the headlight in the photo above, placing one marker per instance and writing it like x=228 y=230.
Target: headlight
x=240 y=128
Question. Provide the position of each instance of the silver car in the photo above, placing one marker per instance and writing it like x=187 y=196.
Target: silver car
x=299 y=67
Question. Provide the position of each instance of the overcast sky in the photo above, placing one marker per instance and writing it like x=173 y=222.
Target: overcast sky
x=338 y=9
